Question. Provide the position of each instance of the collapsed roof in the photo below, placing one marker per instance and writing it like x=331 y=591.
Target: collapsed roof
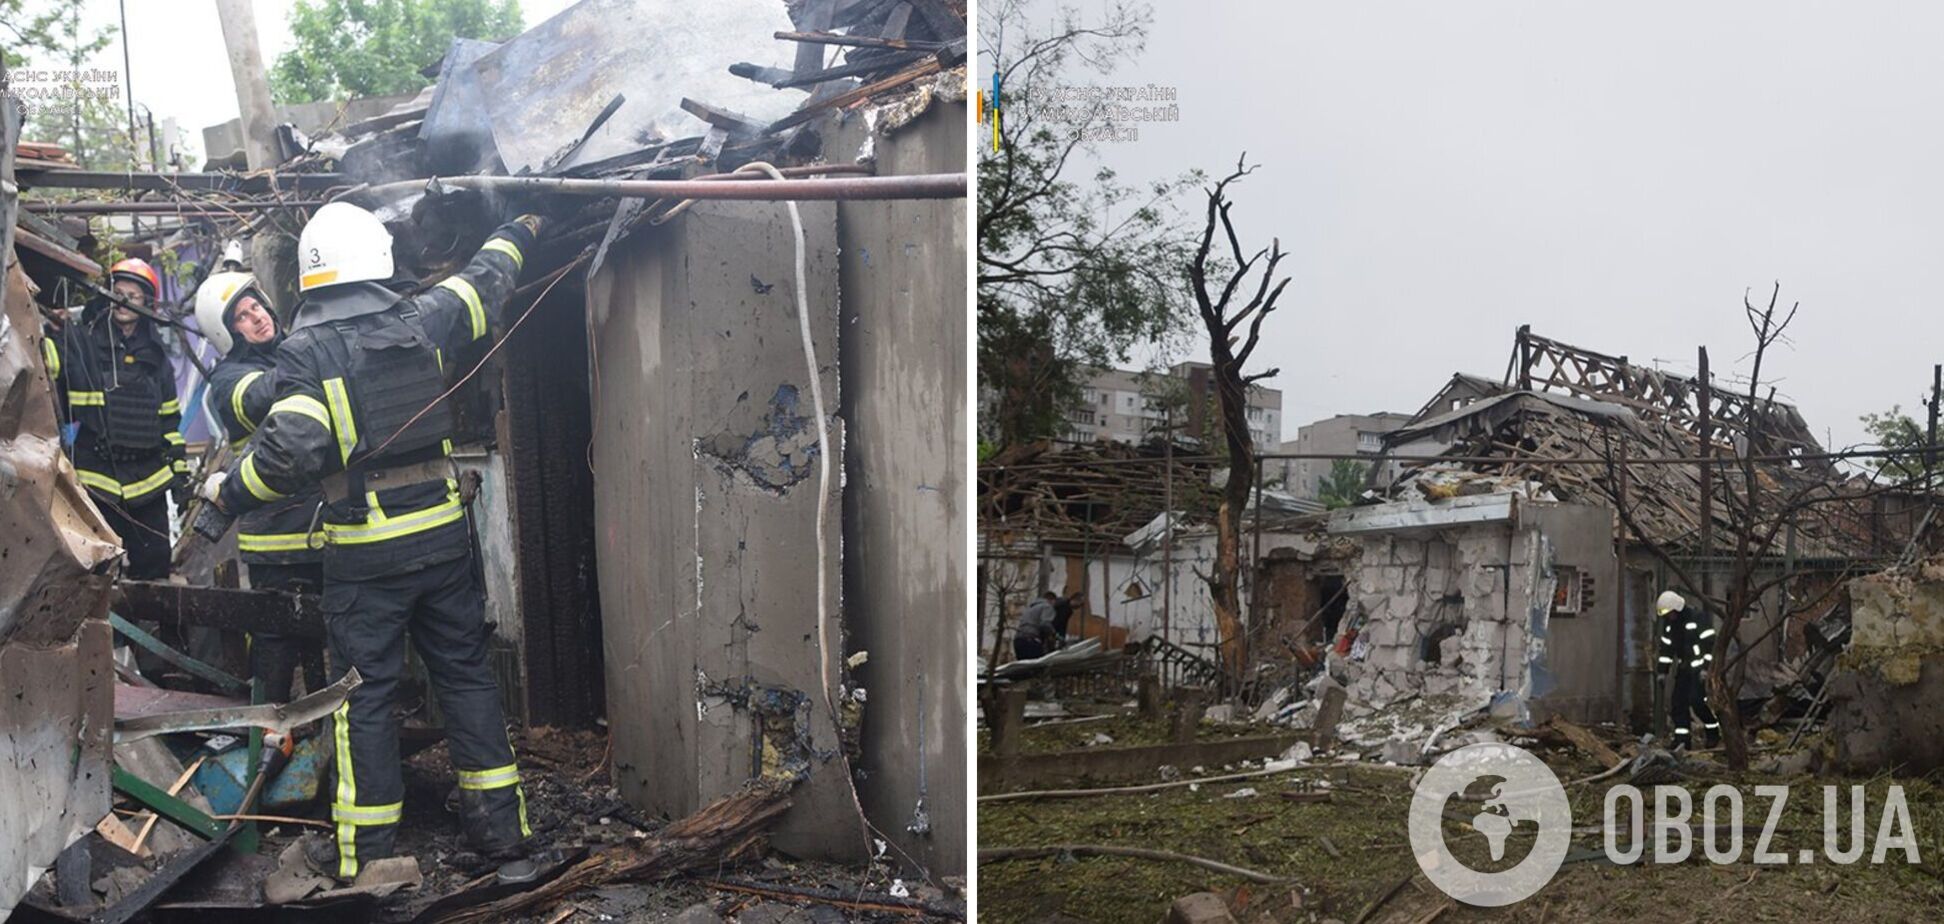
x=1567 y=403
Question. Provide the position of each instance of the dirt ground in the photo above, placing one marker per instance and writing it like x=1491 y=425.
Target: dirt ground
x=1342 y=856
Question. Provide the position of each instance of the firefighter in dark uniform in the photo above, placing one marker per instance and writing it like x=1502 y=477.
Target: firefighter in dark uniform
x=277 y=541
x=118 y=387
x=1686 y=647
x=359 y=412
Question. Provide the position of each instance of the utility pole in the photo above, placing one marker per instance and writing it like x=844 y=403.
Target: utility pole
x=1167 y=537
x=1930 y=433
x=273 y=255
x=252 y=84
x=1706 y=401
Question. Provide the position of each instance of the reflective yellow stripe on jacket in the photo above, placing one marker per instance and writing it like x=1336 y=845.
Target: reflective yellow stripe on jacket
x=346 y=428
x=236 y=399
x=379 y=527
x=106 y=484
x=475 y=310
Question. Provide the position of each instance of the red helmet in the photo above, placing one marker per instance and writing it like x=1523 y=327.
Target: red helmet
x=136 y=270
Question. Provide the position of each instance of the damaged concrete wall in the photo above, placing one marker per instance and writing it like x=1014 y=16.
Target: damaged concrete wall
x=903 y=282
x=1465 y=611
x=57 y=561
x=1585 y=648
x=705 y=510
x=1887 y=691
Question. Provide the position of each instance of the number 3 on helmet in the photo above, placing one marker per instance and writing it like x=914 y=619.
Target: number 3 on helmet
x=344 y=243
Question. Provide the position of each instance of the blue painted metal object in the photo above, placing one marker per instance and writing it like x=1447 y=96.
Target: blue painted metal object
x=301 y=777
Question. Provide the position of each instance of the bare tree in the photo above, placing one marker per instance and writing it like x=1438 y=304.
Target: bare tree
x=1759 y=512
x=1217 y=282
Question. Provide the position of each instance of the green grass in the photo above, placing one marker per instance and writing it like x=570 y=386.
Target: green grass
x=1366 y=824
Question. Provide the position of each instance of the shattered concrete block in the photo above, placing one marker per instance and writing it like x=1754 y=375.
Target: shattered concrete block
x=1200 y=908
x=1401 y=751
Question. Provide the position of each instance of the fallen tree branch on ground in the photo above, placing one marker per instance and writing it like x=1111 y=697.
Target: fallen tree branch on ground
x=730 y=830
x=1002 y=854
x=1147 y=787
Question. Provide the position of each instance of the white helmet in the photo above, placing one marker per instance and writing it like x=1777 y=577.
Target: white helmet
x=1669 y=602
x=342 y=243
x=213 y=300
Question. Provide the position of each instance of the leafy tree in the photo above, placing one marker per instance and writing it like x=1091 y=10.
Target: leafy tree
x=85 y=116
x=1894 y=429
x=1343 y=485
x=47 y=32
x=345 y=49
x=1073 y=271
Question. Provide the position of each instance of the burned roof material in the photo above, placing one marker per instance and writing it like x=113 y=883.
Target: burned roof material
x=1097 y=493
x=1576 y=425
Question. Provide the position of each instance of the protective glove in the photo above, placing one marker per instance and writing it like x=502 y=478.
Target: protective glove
x=533 y=223
x=212 y=488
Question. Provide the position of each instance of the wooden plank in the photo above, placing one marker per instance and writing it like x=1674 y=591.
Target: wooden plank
x=925 y=68
x=1586 y=741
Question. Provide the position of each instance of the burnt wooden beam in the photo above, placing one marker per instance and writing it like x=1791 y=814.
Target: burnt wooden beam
x=735 y=123
x=858 y=41
x=774 y=76
x=268 y=611
x=848 y=70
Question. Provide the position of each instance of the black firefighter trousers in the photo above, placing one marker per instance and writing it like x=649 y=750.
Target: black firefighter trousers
x=367 y=621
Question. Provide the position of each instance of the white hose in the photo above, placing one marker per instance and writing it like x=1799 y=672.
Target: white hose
x=823 y=478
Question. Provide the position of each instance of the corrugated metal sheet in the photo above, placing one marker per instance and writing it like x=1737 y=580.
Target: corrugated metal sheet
x=57 y=558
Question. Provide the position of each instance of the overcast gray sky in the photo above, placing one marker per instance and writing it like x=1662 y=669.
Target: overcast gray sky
x=1613 y=174
x=176 y=53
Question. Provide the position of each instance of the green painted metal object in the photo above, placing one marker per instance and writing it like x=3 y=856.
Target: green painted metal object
x=170 y=807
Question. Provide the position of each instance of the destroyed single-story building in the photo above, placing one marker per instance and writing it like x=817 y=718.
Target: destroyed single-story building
x=1527 y=562
x=1092 y=520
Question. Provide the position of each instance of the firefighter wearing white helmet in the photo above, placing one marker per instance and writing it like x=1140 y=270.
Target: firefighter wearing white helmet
x=1686 y=648
x=274 y=541
x=360 y=410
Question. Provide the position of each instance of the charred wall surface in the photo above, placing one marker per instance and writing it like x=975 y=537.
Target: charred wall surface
x=705 y=514
x=547 y=428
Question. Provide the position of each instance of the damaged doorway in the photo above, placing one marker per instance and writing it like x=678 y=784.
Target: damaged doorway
x=544 y=430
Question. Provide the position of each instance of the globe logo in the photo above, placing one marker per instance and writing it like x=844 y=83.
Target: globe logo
x=1507 y=796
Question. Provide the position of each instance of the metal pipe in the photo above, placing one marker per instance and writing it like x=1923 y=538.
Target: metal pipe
x=125 y=207
x=169 y=181
x=917 y=186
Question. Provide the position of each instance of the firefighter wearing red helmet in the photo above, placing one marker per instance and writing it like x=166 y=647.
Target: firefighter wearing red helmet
x=118 y=387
